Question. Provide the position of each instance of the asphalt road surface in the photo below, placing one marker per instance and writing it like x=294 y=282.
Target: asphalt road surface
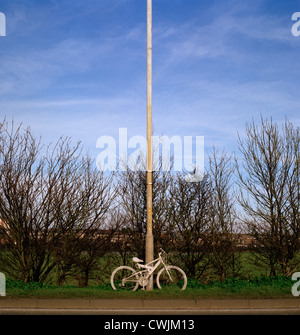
x=28 y=306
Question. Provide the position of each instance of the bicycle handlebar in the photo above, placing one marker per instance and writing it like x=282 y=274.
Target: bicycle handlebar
x=162 y=251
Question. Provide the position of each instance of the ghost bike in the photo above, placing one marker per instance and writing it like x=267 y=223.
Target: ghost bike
x=126 y=278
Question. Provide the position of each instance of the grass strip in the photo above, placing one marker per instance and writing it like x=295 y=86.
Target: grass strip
x=262 y=287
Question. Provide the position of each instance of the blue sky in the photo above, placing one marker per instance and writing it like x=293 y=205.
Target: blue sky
x=78 y=68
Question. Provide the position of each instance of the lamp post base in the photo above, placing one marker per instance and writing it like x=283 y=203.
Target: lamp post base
x=149 y=257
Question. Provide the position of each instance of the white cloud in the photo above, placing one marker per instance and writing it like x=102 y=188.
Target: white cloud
x=193 y=95
x=38 y=68
x=229 y=29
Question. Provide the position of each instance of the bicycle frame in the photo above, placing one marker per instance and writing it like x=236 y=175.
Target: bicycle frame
x=150 y=268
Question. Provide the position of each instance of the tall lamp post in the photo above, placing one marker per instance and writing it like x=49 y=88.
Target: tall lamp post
x=149 y=234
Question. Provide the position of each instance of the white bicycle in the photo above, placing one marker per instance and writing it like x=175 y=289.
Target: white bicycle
x=126 y=278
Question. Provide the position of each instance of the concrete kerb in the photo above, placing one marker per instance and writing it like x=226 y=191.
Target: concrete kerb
x=222 y=304
x=278 y=303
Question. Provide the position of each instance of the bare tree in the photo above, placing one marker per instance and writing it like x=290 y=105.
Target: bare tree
x=23 y=206
x=121 y=246
x=269 y=179
x=189 y=213
x=50 y=198
x=97 y=194
x=132 y=199
x=132 y=190
x=82 y=202
x=223 y=253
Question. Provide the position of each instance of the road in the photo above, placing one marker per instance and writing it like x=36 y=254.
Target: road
x=9 y=306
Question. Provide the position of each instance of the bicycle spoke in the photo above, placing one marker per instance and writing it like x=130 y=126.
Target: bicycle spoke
x=124 y=278
x=174 y=278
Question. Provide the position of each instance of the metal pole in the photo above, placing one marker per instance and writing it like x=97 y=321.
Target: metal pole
x=149 y=234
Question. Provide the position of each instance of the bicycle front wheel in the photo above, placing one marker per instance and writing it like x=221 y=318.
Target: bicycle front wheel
x=171 y=276
x=124 y=278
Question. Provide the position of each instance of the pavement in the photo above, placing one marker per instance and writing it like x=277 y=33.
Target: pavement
x=198 y=306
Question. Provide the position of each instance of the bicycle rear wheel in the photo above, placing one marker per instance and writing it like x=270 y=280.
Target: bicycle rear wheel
x=172 y=277
x=119 y=282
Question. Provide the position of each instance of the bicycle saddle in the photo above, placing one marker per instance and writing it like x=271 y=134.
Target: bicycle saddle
x=137 y=260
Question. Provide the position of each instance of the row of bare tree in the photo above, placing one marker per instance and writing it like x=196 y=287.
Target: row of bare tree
x=51 y=201
x=269 y=182
x=54 y=202
x=193 y=221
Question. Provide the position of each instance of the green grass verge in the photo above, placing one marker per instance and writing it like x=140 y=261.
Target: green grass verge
x=262 y=287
